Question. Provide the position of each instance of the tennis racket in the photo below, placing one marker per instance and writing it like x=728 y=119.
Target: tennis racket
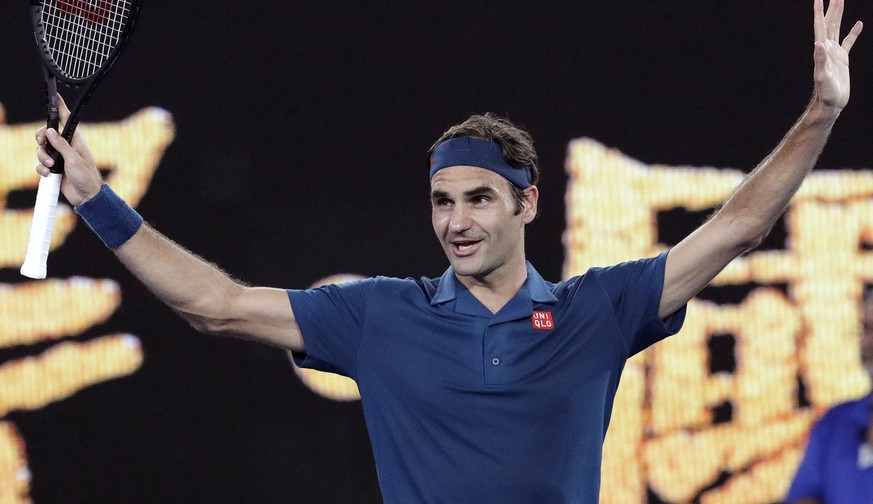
x=79 y=41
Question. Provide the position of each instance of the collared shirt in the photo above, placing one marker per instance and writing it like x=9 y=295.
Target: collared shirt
x=832 y=470
x=466 y=406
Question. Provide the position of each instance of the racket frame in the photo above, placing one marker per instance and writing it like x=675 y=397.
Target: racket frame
x=39 y=242
x=54 y=73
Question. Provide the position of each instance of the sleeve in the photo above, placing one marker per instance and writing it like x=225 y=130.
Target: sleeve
x=807 y=482
x=331 y=320
x=635 y=288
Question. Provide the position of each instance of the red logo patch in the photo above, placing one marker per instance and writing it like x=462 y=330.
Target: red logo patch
x=542 y=320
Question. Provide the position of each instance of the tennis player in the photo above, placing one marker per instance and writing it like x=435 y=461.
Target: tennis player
x=489 y=383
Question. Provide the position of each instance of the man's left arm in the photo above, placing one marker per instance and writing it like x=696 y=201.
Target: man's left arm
x=750 y=212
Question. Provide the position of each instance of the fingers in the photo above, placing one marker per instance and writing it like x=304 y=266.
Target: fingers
x=820 y=59
x=40 y=136
x=850 y=39
x=45 y=160
x=43 y=170
x=75 y=153
x=64 y=113
x=827 y=25
x=819 y=21
x=42 y=156
x=60 y=144
x=63 y=110
x=833 y=18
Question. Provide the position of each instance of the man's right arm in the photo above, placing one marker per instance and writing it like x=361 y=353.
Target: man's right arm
x=205 y=296
x=200 y=292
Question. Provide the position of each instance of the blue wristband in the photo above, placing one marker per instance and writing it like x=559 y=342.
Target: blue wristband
x=110 y=217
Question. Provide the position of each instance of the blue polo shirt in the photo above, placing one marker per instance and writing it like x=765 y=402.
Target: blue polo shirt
x=466 y=406
x=830 y=471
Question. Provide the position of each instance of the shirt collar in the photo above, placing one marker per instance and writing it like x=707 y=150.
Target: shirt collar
x=538 y=289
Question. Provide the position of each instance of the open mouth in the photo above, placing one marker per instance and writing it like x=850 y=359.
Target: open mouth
x=466 y=247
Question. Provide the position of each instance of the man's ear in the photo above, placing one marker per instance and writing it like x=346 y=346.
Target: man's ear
x=531 y=198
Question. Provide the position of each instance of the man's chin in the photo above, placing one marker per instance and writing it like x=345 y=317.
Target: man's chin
x=465 y=270
x=467 y=267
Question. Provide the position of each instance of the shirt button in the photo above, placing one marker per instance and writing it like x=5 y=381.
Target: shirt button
x=495 y=361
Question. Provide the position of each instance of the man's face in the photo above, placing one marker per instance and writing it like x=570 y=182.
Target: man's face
x=473 y=216
x=867 y=337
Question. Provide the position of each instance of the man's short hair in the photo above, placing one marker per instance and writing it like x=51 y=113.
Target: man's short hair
x=517 y=144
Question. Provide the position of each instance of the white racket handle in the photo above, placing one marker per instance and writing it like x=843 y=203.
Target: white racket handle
x=41 y=227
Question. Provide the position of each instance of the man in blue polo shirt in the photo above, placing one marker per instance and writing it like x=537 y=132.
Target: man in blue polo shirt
x=488 y=384
x=838 y=464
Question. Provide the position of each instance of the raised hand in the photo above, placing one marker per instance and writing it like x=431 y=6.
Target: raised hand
x=831 y=57
x=81 y=179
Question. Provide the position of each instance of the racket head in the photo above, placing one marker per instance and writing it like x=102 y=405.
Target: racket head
x=80 y=39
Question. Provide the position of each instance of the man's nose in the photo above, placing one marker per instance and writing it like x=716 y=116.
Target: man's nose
x=460 y=219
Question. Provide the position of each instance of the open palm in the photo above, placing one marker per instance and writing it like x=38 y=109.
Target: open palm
x=831 y=57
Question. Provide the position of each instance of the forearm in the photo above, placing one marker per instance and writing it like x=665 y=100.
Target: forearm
x=750 y=212
x=753 y=208
x=199 y=291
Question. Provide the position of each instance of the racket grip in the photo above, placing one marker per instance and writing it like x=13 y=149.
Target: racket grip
x=41 y=227
x=54 y=121
x=58 y=167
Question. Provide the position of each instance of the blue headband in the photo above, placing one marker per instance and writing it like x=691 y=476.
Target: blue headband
x=468 y=151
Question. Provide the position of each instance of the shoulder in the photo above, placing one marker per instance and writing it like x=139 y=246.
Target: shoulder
x=850 y=408
x=566 y=288
x=647 y=263
x=364 y=290
x=389 y=288
x=852 y=413
x=645 y=274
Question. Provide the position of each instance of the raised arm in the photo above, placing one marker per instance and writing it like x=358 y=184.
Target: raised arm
x=750 y=212
x=201 y=293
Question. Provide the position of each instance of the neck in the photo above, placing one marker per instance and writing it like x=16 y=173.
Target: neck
x=496 y=288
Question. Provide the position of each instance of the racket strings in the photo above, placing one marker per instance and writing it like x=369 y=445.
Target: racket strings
x=81 y=34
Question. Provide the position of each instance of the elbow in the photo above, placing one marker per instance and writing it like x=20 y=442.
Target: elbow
x=213 y=326
x=208 y=325
x=210 y=316
x=743 y=245
x=746 y=235
x=751 y=243
x=214 y=314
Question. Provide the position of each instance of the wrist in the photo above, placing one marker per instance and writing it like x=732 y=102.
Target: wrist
x=111 y=219
x=85 y=197
x=820 y=112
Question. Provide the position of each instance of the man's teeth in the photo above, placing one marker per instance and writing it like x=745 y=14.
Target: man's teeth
x=464 y=246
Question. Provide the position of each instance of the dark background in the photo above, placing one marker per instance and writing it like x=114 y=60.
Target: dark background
x=302 y=129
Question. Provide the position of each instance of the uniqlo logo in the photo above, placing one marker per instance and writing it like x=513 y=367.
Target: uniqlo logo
x=542 y=320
